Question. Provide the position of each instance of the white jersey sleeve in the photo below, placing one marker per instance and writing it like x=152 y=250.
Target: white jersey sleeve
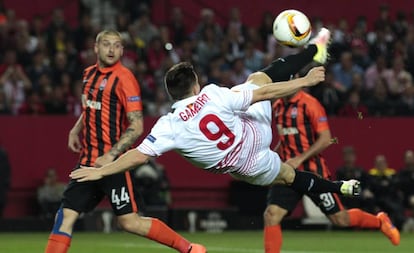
x=160 y=140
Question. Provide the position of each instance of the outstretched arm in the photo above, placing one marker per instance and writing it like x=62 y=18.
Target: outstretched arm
x=127 y=139
x=282 y=89
x=125 y=162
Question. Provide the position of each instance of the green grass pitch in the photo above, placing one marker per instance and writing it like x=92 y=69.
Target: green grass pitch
x=226 y=242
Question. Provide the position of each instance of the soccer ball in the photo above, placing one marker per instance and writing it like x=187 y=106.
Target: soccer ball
x=292 y=28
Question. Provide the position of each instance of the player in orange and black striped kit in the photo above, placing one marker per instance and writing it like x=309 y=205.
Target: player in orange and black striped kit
x=110 y=123
x=304 y=133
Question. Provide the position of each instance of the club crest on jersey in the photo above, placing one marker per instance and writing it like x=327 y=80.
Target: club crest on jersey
x=103 y=84
x=294 y=112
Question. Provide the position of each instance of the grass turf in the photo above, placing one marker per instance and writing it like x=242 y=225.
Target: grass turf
x=227 y=242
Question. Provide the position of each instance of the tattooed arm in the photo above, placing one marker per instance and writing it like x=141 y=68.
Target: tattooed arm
x=129 y=137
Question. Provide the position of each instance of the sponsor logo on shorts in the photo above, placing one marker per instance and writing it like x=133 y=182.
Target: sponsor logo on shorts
x=121 y=206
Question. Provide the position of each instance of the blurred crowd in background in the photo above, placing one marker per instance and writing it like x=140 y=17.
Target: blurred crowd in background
x=370 y=72
x=384 y=188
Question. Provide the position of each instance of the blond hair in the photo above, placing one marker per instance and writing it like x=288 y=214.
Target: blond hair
x=108 y=32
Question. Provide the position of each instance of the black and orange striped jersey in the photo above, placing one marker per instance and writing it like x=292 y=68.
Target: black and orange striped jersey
x=298 y=121
x=108 y=95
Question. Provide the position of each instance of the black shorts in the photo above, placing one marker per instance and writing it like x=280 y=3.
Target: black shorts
x=119 y=188
x=287 y=198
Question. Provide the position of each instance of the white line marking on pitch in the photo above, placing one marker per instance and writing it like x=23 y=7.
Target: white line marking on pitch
x=216 y=249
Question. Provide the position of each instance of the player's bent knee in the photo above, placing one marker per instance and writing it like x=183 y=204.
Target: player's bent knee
x=132 y=223
x=273 y=215
x=340 y=219
x=64 y=220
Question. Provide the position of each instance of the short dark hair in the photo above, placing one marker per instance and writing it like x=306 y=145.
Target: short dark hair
x=179 y=80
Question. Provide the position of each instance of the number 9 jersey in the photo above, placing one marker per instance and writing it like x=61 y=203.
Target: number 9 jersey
x=217 y=130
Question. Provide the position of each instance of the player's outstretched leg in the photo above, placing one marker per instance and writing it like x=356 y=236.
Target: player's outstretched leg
x=160 y=232
x=303 y=181
x=322 y=41
x=283 y=69
x=388 y=229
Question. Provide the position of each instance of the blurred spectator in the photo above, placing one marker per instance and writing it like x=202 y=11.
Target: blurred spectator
x=350 y=170
x=400 y=24
x=4 y=179
x=207 y=20
x=177 y=26
x=340 y=38
x=33 y=105
x=51 y=50
x=383 y=184
x=253 y=57
x=57 y=31
x=380 y=42
x=55 y=102
x=397 y=78
x=145 y=30
x=38 y=67
x=207 y=47
x=26 y=44
x=60 y=66
x=359 y=48
x=374 y=71
x=74 y=106
x=405 y=106
x=9 y=60
x=49 y=194
x=146 y=81
x=266 y=29
x=358 y=84
x=344 y=70
x=156 y=54
x=87 y=54
x=5 y=107
x=160 y=105
x=186 y=52
x=353 y=107
x=235 y=21
x=15 y=84
x=379 y=103
x=410 y=49
x=233 y=44
x=153 y=184
x=37 y=27
x=329 y=93
x=83 y=31
x=239 y=71
x=122 y=22
x=384 y=19
x=102 y=12
x=406 y=183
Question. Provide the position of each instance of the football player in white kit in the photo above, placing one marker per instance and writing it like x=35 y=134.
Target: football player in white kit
x=224 y=131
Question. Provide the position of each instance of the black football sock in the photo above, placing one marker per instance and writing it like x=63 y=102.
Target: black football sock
x=309 y=182
x=283 y=69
